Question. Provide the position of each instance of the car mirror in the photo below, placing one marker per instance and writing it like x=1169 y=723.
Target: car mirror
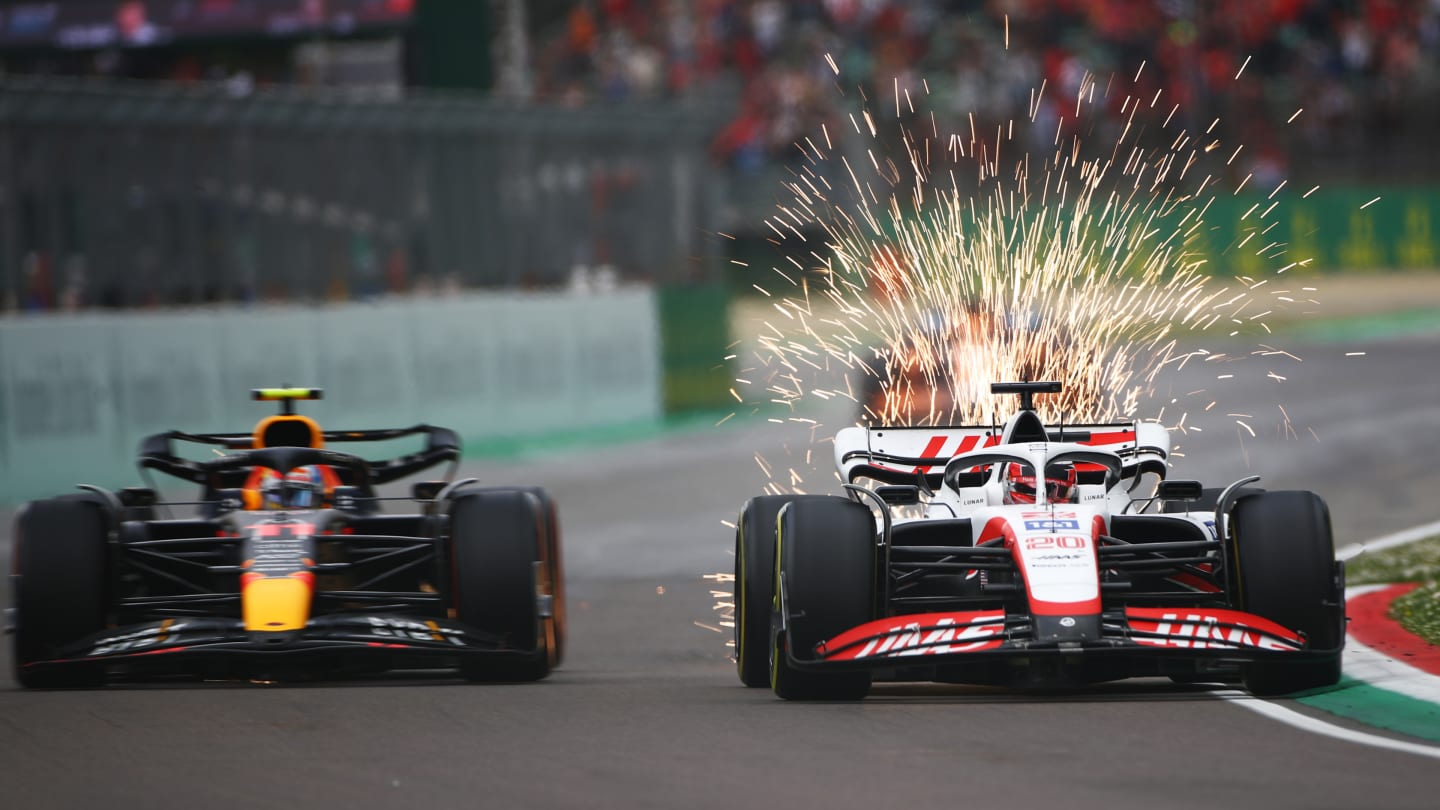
x=962 y=480
x=137 y=496
x=426 y=490
x=1180 y=490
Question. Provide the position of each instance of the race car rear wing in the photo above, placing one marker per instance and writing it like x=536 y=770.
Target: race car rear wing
x=157 y=452
x=897 y=455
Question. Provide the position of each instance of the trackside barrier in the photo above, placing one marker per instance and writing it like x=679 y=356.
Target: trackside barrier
x=1359 y=229
x=77 y=393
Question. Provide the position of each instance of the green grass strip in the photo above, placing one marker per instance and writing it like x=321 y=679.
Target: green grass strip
x=1380 y=708
x=1419 y=611
x=1412 y=562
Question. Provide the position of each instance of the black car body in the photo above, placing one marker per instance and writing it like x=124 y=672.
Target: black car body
x=118 y=585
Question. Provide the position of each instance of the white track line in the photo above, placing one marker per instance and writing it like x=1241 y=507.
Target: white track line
x=1390 y=541
x=1370 y=664
x=1305 y=722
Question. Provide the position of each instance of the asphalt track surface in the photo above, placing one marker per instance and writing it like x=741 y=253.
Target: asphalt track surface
x=647 y=710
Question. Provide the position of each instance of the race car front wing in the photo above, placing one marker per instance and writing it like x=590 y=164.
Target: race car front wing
x=210 y=645
x=1195 y=633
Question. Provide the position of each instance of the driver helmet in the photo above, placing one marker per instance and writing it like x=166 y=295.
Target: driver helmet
x=1059 y=483
x=300 y=488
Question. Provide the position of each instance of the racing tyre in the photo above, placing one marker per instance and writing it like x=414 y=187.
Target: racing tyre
x=552 y=574
x=61 y=560
x=1284 y=555
x=826 y=548
x=754 y=580
x=495 y=539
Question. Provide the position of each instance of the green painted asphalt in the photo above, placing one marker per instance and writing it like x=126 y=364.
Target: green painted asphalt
x=1378 y=707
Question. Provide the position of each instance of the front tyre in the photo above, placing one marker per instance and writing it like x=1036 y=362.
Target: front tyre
x=496 y=542
x=61 y=562
x=552 y=573
x=754 y=575
x=826 y=548
x=1284 y=555
x=555 y=625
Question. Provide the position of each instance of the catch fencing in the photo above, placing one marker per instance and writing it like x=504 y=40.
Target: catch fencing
x=134 y=194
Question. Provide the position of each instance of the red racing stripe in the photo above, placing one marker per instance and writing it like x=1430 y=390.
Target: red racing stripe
x=1372 y=626
x=932 y=449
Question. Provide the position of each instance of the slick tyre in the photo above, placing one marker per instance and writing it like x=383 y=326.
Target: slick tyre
x=496 y=539
x=1284 y=556
x=754 y=573
x=554 y=575
x=826 y=548
x=754 y=579
x=60 y=594
x=552 y=578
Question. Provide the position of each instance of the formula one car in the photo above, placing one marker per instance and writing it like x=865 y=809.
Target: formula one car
x=1032 y=555
x=289 y=568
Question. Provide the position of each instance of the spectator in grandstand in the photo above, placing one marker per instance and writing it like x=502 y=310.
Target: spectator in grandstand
x=1352 y=62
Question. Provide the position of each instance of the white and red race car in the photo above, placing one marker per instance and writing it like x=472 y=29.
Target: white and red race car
x=1032 y=555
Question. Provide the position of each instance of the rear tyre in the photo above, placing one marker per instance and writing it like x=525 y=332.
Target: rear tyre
x=60 y=594
x=1284 y=555
x=495 y=540
x=826 y=548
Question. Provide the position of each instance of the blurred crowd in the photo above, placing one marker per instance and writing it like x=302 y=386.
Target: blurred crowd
x=1342 y=84
x=1355 y=67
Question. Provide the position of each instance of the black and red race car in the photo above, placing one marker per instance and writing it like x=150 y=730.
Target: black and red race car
x=288 y=567
x=1032 y=554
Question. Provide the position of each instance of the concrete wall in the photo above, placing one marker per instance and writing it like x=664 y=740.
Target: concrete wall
x=77 y=393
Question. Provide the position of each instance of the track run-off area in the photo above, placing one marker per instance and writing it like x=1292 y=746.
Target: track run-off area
x=647 y=710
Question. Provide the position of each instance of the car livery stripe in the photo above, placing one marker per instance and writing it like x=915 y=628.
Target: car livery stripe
x=1208 y=628
x=1194 y=583
x=1043 y=553
x=917 y=634
x=996 y=529
x=1115 y=437
x=932 y=449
